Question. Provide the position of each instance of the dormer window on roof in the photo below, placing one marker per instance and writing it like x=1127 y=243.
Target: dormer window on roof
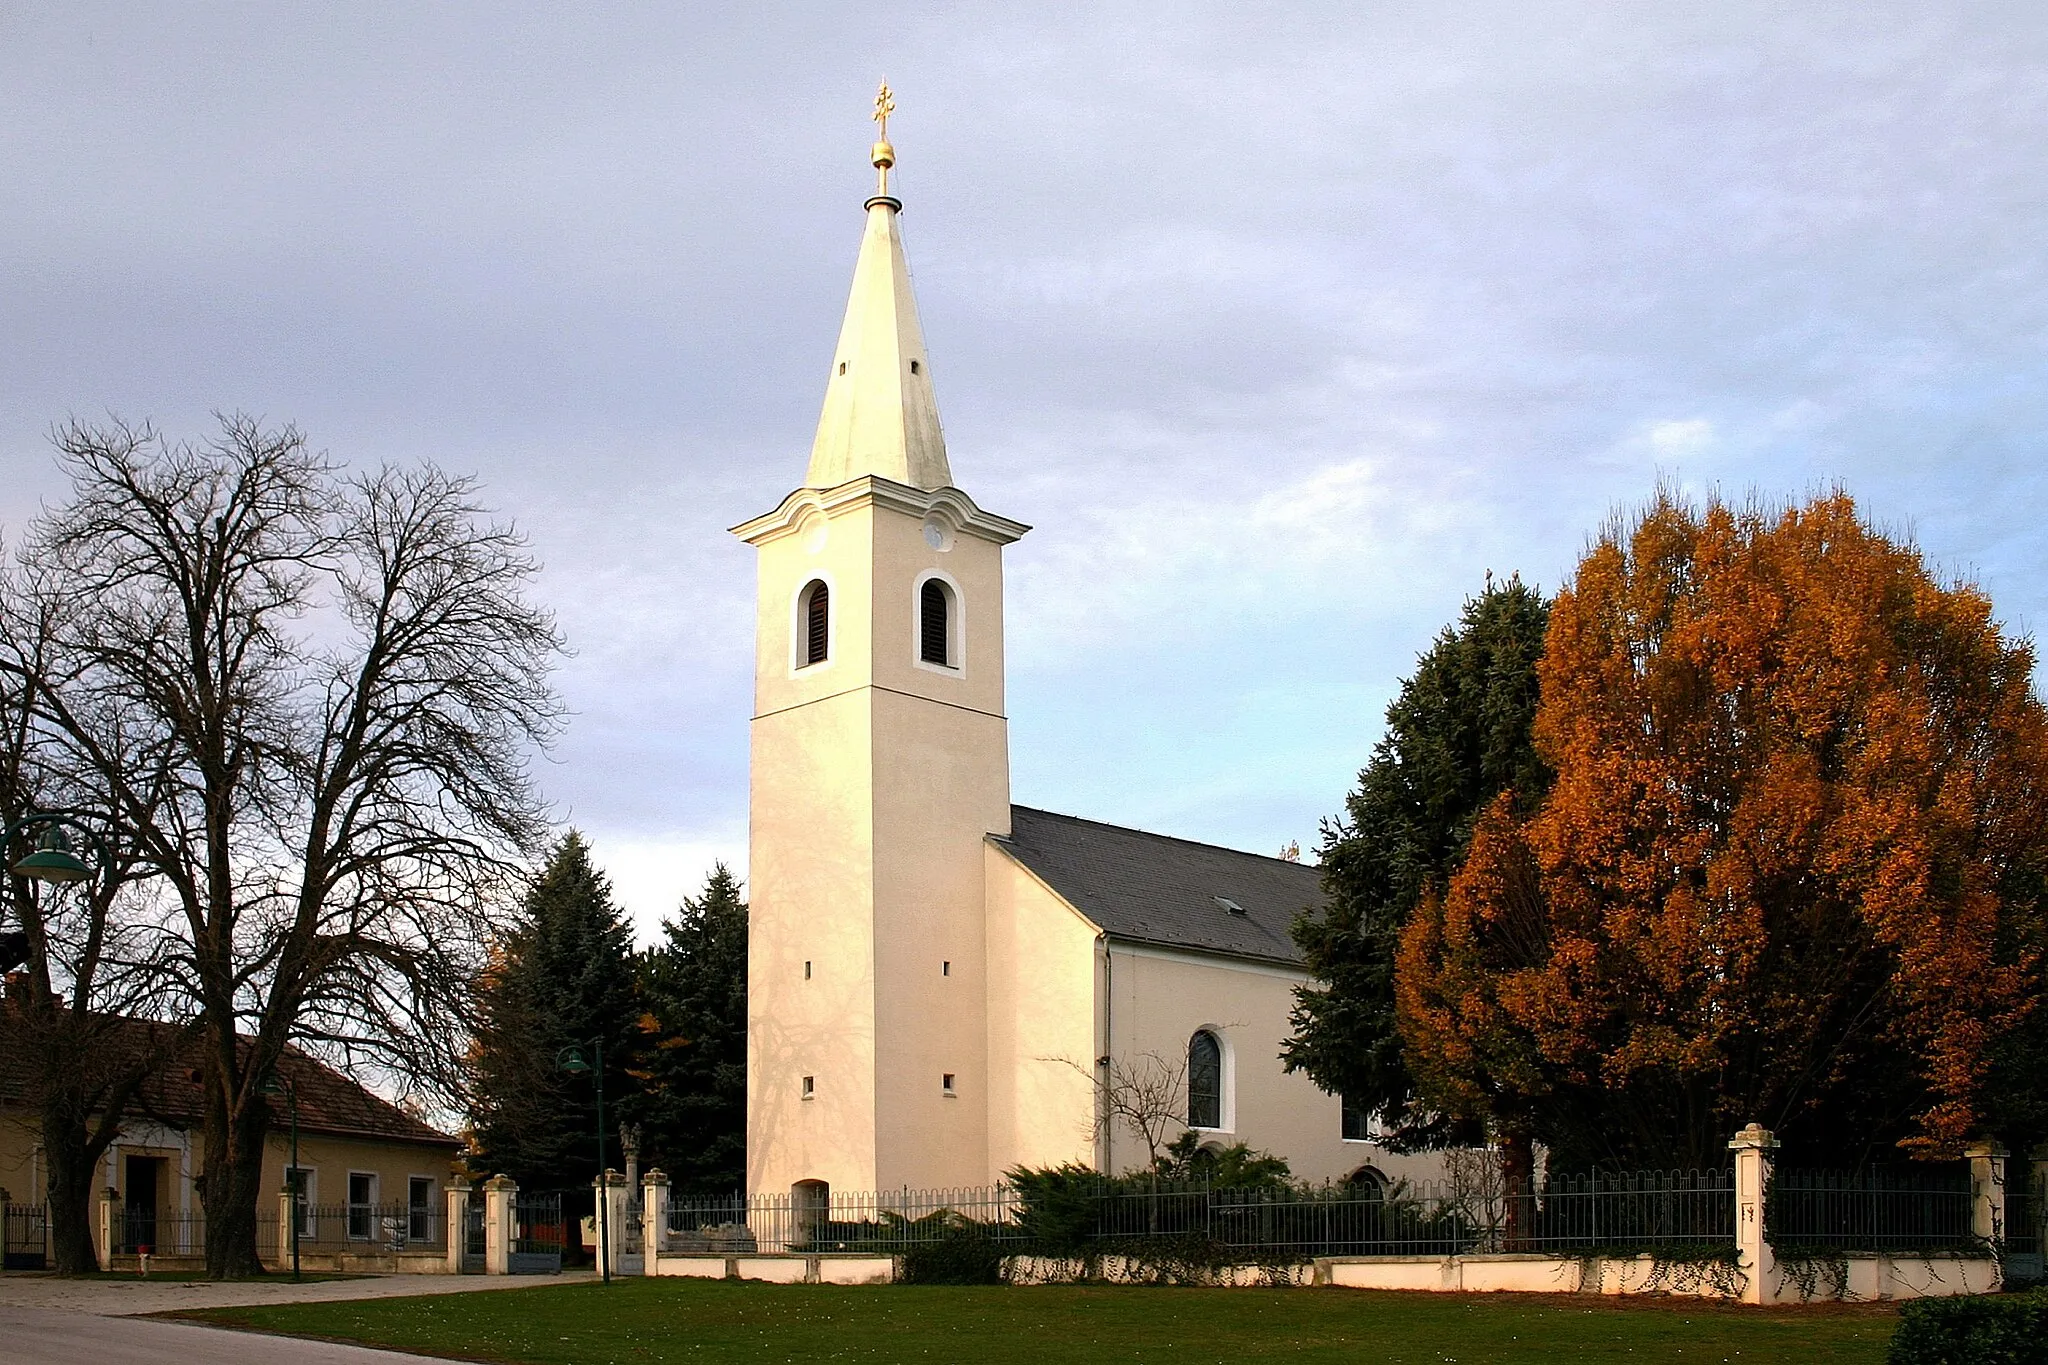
x=1229 y=906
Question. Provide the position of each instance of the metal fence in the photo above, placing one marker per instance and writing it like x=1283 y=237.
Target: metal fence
x=1581 y=1213
x=24 y=1236
x=323 y=1228
x=1886 y=1209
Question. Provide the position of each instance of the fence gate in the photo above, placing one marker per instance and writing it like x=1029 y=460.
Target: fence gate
x=537 y=1234
x=24 y=1236
x=472 y=1234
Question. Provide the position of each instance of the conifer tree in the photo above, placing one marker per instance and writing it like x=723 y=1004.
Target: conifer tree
x=563 y=977
x=692 y=1105
x=1457 y=736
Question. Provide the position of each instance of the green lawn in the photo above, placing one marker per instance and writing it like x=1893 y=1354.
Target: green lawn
x=655 y=1321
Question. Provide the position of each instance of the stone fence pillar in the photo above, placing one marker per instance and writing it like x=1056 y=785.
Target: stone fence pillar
x=1759 y=1265
x=498 y=1192
x=610 y=1189
x=109 y=1198
x=458 y=1223
x=653 y=1214
x=1987 y=1191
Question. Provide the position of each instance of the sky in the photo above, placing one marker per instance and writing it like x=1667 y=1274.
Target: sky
x=1282 y=325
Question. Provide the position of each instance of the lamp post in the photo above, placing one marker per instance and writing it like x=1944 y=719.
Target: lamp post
x=273 y=1084
x=570 y=1059
x=53 y=862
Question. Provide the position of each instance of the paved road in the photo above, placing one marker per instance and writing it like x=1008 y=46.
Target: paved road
x=49 y=1321
x=51 y=1336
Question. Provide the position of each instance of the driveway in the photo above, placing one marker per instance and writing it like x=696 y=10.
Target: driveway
x=49 y=1321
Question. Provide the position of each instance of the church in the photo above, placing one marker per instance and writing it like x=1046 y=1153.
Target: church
x=943 y=985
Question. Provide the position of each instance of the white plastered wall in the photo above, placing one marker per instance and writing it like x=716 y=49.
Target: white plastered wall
x=1042 y=1023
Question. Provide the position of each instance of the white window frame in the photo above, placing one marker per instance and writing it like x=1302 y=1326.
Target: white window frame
x=433 y=1188
x=798 y=631
x=956 y=625
x=309 y=1196
x=350 y=1207
x=1226 y=1102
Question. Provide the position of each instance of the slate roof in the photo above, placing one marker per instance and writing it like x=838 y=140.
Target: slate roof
x=1149 y=888
x=329 y=1102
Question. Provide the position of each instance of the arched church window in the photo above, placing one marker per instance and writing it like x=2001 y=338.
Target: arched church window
x=817 y=615
x=1205 y=1081
x=935 y=622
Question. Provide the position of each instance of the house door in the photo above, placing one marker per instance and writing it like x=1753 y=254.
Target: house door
x=138 y=1213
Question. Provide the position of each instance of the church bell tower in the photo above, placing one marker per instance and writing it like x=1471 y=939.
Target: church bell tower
x=880 y=761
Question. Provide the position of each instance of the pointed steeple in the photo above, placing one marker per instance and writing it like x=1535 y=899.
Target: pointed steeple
x=881 y=416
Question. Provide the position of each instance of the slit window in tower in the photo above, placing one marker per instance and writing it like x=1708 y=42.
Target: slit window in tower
x=934 y=617
x=946 y=1083
x=913 y=367
x=817 y=623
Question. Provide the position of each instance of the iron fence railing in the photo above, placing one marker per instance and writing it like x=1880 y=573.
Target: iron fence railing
x=322 y=1228
x=1877 y=1209
x=24 y=1236
x=1647 y=1212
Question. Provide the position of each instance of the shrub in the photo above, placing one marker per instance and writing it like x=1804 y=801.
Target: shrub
x=1991 y=1329
x=946 y=1248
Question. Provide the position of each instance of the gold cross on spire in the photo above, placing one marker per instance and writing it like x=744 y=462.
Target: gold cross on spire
x=883 y=154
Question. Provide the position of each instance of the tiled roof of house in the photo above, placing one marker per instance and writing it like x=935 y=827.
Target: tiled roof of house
x=1149 y=888
x=329 y=1102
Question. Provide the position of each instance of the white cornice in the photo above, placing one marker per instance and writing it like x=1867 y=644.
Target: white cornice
x=870 y=490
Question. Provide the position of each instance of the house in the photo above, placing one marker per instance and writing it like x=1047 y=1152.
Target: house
x=375 y=1177
x=944 y=985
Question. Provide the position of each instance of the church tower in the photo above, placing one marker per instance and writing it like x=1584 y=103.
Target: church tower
x=880 y=761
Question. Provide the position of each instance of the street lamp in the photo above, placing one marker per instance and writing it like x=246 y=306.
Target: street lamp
x=274 y=1085
x=570 y=1059
x=53 y=862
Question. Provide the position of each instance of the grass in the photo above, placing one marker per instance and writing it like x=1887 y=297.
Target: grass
x=652 y=1322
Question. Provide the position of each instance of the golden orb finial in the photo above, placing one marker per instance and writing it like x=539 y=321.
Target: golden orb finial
x=882 y=154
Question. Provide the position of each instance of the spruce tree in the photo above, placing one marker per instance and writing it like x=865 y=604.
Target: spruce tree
x=1457 y=736
x=692 y=1107
x=563 y=978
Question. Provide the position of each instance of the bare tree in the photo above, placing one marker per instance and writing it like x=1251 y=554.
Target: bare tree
x=1145 y=1093
x=309 y=698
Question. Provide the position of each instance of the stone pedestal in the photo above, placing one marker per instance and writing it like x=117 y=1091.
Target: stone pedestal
x=458 y=1223
x=498 y=1192
x=610 y=1190
x=1753 y=1147
x=653 y=1214
x=1987 y=1191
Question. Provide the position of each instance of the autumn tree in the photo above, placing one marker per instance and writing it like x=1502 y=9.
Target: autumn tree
x=691 y=1103
x=1457 y=736
x=1789 y=869
x=563 y=975
x=306 y=699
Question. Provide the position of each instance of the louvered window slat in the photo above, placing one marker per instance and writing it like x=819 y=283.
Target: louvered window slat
x=817 y=624
x=933 y=646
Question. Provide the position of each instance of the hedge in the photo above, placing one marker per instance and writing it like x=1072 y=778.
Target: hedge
x=1989 y=1329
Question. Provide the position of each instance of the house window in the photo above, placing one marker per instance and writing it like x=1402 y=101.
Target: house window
x=945 y=969
x=935 y=621
x=816 y=616
x=1205 y=1081
x=302 y=1182
x=362 y=1206
x=1356 y=1120
x=807 y=969
x=810 y=1086
x=419 y=1209
x=946 y=1083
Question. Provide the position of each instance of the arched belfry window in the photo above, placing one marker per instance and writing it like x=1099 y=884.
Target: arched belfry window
x=817 y=625
x=1205 y=1081
x=935 y=623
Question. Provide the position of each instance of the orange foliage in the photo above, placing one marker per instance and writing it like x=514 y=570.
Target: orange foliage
x=1798 y=812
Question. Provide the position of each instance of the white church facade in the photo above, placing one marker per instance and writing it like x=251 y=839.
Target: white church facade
x=943 y=985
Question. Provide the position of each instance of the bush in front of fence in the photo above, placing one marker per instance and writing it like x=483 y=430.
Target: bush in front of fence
x=946 y=1248
x=1986 y=1329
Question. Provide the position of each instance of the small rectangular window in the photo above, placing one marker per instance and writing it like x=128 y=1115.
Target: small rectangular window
x=362 y=1199
x=810 y=1086
x=1357 y=1124
x=946 y=1082
x=807 y=969
x=945 y=969
x=419 y=1208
